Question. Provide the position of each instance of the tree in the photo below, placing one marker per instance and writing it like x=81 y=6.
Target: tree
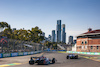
x=48 y=44
x=22 y=34
x=54 y=45
x=3 y=24
x=34 y=34
x=8 y=33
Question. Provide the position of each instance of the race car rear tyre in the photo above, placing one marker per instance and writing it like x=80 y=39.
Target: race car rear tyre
x=67 y=57
x=76 y=57
x=31 y=62
x=53 y=60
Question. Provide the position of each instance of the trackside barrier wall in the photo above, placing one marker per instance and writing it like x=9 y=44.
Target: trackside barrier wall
x=54 y=50
x=20 y=54
x=89 y=53
x=6 y=55
x=62 y=50
x=2 y=55
x=14 y=54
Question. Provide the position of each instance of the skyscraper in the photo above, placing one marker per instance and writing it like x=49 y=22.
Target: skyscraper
x=49 y=38
x=70 y=39
x=55 y=38
x=58 y=32
x=53 y=35
x=63 y=34
x=65 y=37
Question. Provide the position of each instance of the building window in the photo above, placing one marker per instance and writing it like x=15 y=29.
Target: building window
x=82 y=42
x=85 y=47
x=79 y=47
x=91 y=47
x=85 y=42
x=82 y=47
x=97 y=47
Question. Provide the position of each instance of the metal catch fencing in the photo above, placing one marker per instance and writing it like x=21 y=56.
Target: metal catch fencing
x=9 y=46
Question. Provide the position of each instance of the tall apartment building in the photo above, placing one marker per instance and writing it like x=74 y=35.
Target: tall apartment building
x=58 y=31
x=63 y=34
x=53 y=35
x=70 y=40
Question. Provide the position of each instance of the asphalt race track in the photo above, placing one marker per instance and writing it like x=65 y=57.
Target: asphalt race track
x=61 y=61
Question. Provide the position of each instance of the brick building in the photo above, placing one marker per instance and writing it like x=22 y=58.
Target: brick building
x=89 y=41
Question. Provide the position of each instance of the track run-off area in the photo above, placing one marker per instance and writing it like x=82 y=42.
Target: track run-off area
x=22 y=61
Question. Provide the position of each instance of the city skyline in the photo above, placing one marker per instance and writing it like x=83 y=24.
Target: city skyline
x=77 y=15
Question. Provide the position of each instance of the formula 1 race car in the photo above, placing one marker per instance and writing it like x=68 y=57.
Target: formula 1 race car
x=41 y=60
x=72 y=56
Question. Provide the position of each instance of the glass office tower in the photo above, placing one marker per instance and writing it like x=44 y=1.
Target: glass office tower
x=63 y=34
x=58 y=31
x=53 y=35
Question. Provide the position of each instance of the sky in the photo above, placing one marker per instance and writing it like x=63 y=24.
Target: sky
x=77 y=15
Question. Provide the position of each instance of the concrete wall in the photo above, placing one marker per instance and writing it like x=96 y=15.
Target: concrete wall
x=74 y=48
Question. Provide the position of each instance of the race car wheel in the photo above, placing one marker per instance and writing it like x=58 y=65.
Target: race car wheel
x=53 y=60
x=67 y=57
x=31 y=62
x=76 y=57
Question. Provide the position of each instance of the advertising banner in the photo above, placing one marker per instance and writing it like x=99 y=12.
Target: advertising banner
x=0 y=55
x=73 y=52
x=85 y=52
x=48 y=49
x=6 y=55
x=29 y=53
x=38 y=51
x=54 y=50
x=78 y=52
x=92 y=53
x=32 y=52
x=25 y=53
x=96 y=53
x=61 y=50
x=14 y=54
x=35 y=52
x=20 y=54
x=89 y=53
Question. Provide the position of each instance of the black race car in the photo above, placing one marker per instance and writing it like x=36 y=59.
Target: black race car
x=41 y=60
x=72 y=56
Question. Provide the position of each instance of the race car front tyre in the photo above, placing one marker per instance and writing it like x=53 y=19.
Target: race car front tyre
x=31 y=62
x=53 y=60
